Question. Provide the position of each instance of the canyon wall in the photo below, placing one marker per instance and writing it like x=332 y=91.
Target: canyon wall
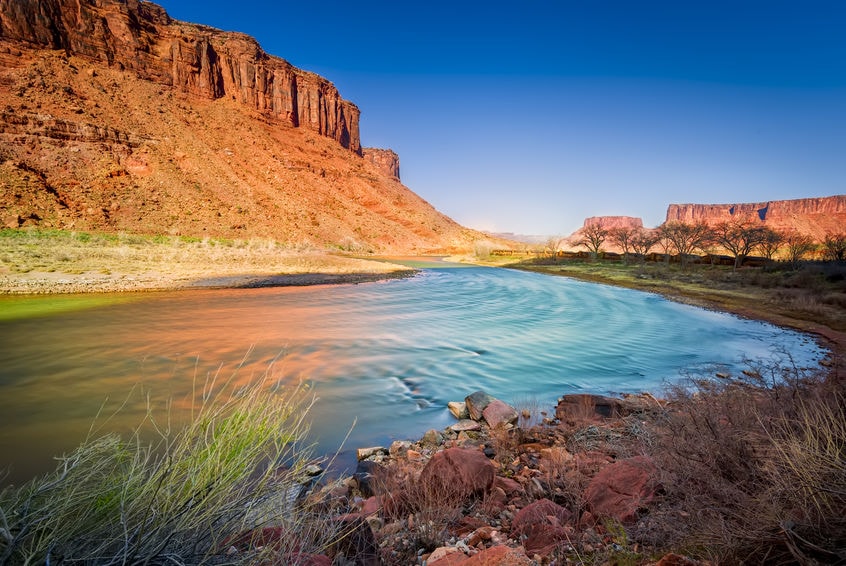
x=205 y=62
x=612 y=222
x=386 y=160
x=815 y=217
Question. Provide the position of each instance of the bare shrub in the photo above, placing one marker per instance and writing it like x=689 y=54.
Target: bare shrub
x=426 y=511
x=752 y=468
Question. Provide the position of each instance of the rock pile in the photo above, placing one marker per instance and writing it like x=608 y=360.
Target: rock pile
x=486 y=491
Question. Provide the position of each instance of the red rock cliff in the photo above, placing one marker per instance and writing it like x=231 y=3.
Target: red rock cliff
x=141 y=37
x=385 y=159
x=611 y=222
x=813 y=216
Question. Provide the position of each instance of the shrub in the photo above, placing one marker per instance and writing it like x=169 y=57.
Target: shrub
x=754 y=468
x=236 y=467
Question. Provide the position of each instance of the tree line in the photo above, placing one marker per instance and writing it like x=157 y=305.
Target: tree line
x=739 y=239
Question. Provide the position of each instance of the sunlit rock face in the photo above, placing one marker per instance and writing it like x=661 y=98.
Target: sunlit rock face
x=202 y=61
x=814 y=217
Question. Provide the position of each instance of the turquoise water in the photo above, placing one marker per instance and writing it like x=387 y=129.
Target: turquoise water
x=386 y=357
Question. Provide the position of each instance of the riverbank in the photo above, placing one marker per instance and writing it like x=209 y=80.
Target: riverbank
x=52 y=262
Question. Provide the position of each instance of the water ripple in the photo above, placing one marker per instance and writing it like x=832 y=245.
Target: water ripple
x=387 y=356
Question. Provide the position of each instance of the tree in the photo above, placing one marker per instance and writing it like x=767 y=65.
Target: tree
x=770 y=243
x=797 y=246
x=643 y=241
x=593 y=236
x=738 y=238
x=623 y=236
x=553 y=244
x=834 y=247
x=685 y=238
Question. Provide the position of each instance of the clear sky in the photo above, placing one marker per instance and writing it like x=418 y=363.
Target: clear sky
x=529 y=116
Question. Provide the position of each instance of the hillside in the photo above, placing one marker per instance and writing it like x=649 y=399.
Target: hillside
x=114 y=117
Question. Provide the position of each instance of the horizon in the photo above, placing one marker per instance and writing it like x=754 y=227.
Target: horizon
x=530 y=121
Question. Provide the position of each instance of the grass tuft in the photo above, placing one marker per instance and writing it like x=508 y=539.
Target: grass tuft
x=237 y=467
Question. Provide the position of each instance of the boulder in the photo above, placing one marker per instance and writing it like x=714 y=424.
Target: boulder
x=446 y=556
x=620 y=489
x=498 y=556
x=459 y=473
x=465 y=425
x=586 y=406
x=370 y=452
x=476 y=403
x=541 y=526
x=499 y=413
x=457 y=408
x=358 y=545
x=365 y=474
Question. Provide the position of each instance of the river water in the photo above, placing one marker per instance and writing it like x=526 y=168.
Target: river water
x=385 y=357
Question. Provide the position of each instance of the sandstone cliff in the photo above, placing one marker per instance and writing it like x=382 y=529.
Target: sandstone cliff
x=199 y=60
x=611 y=222
x=574 y=240
x=815 y=217
x=113 y=117
x=385 y=159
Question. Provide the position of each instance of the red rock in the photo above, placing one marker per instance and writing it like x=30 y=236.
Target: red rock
x=476 y=403
x=385 y=159
x=814 y=217
x=620 y=489
x=446 y=556
x=508 y=485
x=542 y=524
x=371 y=506
x=498 y=412
x=213 y=64
x=498 y=556
x=458 y=473
x=586 y=406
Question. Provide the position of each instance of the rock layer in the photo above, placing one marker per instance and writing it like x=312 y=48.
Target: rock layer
x=202 y=61
x=815 y=217
x=385 y=159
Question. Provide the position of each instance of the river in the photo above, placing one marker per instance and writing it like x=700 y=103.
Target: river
x=383 y=358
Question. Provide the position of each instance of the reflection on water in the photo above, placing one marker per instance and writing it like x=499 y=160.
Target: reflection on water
x=386 y=356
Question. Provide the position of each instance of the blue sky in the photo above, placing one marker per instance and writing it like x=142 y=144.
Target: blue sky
x=528 y=117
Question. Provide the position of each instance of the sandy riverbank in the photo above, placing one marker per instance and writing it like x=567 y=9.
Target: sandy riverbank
x=49 y=263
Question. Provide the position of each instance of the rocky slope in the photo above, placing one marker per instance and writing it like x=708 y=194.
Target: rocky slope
x=115 y=117
x=815 y=217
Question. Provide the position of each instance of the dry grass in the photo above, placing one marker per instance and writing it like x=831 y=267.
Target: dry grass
x=239 y=465
x=55 y=261
x=754 y=469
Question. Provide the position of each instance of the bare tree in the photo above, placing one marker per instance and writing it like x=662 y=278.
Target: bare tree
x=797 y=246
x=593 y=236
x=685 y=238
x=553 y=245
x=738 y=238
x=623 y=236
x=771 y=242
x=834 y=247
x=643 y=241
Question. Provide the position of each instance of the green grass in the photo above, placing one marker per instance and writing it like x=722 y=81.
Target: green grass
x=232 y=470
x=20 y=307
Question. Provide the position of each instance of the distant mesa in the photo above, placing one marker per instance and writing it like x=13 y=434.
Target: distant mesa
x=814 y=217
x=610 y=222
